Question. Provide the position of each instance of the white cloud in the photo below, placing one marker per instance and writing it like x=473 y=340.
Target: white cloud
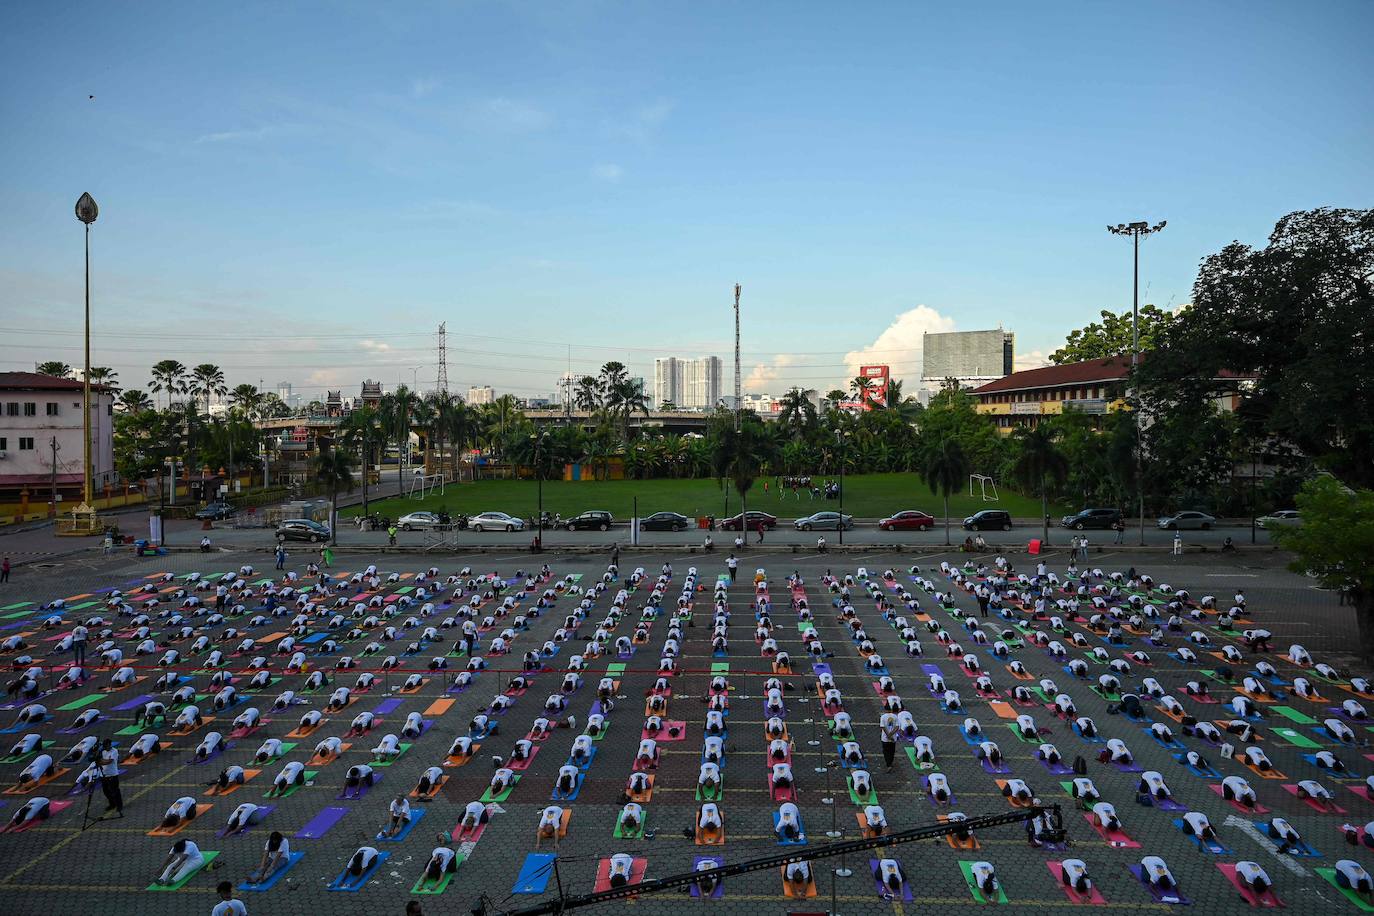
x=1032 y=360
x=764 y=378
x=640 y=124
x=515 y=114
x=899 y=345
x=423 y=86
x=607 y=171
x=374 y=346
x=235 y=136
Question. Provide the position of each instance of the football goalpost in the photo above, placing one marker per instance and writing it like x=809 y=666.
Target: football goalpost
x=422 y=484
x=985 y=484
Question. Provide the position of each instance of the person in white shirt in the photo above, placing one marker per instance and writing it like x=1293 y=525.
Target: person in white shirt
x=550 y=821
x=276 y=852
x=399 y=812
x=361 y=861
x=621 y=869
x=37 y=808
x=442 y=861
x=182 y=862
x=228 y=906
x=183 y=809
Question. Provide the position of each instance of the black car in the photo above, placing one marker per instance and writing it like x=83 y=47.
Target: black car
x=988 y=520
x=665 y=521
x=302 y=529
x=595 y=519
x=217 y=510
x=1092 y=518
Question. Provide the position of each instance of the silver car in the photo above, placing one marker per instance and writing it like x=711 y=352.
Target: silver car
x=1187 y=521
x=825 y=521
x=416 y=521
x=1283 y=518
x=496 y=521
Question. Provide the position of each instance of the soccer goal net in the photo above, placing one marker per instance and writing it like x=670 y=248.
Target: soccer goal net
x=985 y=485
x=422 y=484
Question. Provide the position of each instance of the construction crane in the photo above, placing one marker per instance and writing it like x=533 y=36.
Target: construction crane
x=564 y=903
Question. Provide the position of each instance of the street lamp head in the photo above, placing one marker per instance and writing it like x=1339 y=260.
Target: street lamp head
x=86 y=210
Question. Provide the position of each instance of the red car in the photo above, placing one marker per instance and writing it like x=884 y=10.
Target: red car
x=908 y=520
x=732 y=523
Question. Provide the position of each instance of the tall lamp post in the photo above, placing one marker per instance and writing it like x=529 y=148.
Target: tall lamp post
x=86 y=211
x=1136 y=231
x=840 y=437
x=538 y=439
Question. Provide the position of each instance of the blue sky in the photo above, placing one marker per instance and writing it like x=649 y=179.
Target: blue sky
x=304 y=191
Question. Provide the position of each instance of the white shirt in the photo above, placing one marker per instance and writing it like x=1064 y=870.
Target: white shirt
x=229 y=908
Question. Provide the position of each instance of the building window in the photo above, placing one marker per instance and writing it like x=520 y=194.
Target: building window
x=30 y=409
x=12 y=409
x=25 y=444
x=52 y=408
x=76 y=404
x=4 y=444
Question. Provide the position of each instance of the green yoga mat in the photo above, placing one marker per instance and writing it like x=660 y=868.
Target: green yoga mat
x=1288 y=712
x=16 y=606
x=637 y=834
x=1015 y=730
x=967 y=869
x=209 y=857
x=854 y=796
x=720 y=667
x=615 y=668
x=292 y=790
x=84 y=701
x=701 y=796
x=402 y=747
x=42 y=745
x=130 y=730
x=488 y=798
x=1330 y=875
x=805 y=626
x=442 y=883
x=1297 y=738
x=923 y=767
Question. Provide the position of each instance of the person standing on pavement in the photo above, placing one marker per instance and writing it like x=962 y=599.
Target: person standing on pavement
x=281 y=556
x=1119 y=526
x=615 y=554
x=732 y=564
x=981 y=591
x=227 y=905
x=889 y=742
x=391 y=535
x=1178 y=544
x=327 y=556
x=761 y=527
x=79 y=637
x=109 y=778
x=5 y=570
x=1083 y=549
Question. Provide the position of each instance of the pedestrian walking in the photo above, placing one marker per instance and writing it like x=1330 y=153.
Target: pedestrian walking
x=109 y=778
x=615 y=554
x=281 y=556
x=761 y=527
x=108 y=544
x=1178 y=544
x=327 y=556
x=732 y=564
x=1119 y=526
x=5 y=570
x=983 y=599
x=79 y=636
x=1083 y=548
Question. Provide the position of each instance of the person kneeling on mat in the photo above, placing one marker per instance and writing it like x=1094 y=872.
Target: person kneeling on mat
x=621 y=867
x=37 y=808
x=1352 y=876
x=398 y=816
x=276 y=852
x=1075 y=875
x=183 y=809
x=550 y=821
x=798 y=875
x=361 y=861
x=985 y=877
x=442 y=861
x=889 y=874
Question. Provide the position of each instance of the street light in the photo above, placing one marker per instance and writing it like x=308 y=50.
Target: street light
x=1136 y=231
x=538 y=439
x=86 y=211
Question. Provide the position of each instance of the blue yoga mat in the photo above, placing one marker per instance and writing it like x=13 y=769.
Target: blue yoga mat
x=386 y=706
x=319 y=825
x=534 y=874
x=415 y=815
x=291 y=860
x=357 y=884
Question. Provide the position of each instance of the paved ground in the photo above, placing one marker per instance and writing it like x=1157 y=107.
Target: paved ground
x=57 y=869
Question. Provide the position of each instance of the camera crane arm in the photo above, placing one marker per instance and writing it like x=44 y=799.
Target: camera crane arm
x=565 y=903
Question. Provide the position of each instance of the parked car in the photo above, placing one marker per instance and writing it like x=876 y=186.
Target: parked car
x=1187 y=521
x=1283 y=518
x=414 y=521
x=988 y=520
x=302 y=529
x=217 y=510
x=825 y=521
x=665 y=521
x=496 y=521
x=907 y=520
x=597 y=519
x=1092 y=518
x=732 y=523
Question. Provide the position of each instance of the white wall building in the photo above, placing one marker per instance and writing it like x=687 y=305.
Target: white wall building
x=38 y=411
x=481 y=394
x=689 y=384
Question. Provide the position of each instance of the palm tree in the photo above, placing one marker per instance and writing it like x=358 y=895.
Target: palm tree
x=133 y=400
x=207 y=379
x=797 y=411
x=54 y=368
x=334 y=469
x=169 y=376
x=395 y=418
x=624 y=397
x=588 y=393
x=246 y=398
x=835 y=396
x=740 y=455
x=104 y=375
x=944 y=471
x=362 y=430
x=1040 y=465
x=861 y=385
x=461 y=432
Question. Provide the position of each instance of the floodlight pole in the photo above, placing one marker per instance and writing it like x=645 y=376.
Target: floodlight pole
x=1136 y=230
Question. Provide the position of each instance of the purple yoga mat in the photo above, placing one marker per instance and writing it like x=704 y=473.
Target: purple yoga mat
x=319 y=825
x=387 y=706
x=134 y=703
x=265 y=809
x=882 y=889
x=720 y=885
x=1173 y=897
x=360 y=791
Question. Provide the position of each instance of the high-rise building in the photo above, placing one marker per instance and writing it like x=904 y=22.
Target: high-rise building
x=968 y=354
x=481 y=394
x=689 y=384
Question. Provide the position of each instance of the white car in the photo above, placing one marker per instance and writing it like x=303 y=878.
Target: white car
x=496 y=521
x=1284 y=518
x=417 y=520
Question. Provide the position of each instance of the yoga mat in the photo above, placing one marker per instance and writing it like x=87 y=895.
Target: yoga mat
x=54 y=808
x=360 y=791
x=1115 y=838
x=401 y=749
x=1172 y=897
x=603 y=873
x=415 y=815
x=438 y=707
x=442 y=884
x=387 y=706
x=264 y=809
x=534 y=874
x=135 y=703
x=488 y=798
x=273 y=878
x=1294 y=715
x=319 y=825
x=1093 y=896
x=309 y=776
x=967 y=869
x=1212 y=846
x=1297 y=738
x=209 y=857
x=357 y=884
x=717 y=862
x=1329 y=874
x=883 y=890
x=78 y=704
x=1267 y=899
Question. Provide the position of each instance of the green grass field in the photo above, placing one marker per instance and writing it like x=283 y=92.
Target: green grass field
x=865 y=496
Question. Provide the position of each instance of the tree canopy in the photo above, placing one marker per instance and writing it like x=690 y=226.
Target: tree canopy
x=1112 y=336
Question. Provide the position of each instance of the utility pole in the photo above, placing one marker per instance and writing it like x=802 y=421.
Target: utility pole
x=738 y=399
x=53 y=442
x=1135 y=231
x=86 y=211
x=443 y=357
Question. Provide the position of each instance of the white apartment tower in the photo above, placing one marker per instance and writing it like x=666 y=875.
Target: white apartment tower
x=689 y=384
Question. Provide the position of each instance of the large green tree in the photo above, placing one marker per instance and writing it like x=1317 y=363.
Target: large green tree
x=944 y=469
x=1292 y=319
x=1040 y=467
x=334 y=469
x=1335 y=544
x=1112 y=336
